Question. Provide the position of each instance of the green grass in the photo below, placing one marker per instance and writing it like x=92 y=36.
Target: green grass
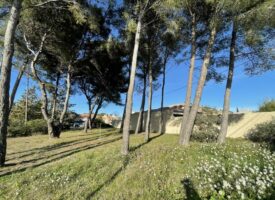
x=79 y=166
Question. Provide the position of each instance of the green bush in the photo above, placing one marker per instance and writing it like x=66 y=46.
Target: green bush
x=18 y=128
x=263 y=133
x=205 y=129
x=267 y=106
x=37 y=126
x=207 y=135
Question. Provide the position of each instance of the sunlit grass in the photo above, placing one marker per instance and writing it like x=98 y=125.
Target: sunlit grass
x=156 y=170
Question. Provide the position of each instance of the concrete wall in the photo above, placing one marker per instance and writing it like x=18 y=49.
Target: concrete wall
x=172 y=124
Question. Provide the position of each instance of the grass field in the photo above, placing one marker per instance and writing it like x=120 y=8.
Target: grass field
x=89 y=166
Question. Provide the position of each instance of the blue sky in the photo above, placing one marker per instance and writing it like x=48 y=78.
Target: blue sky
x=247 y=91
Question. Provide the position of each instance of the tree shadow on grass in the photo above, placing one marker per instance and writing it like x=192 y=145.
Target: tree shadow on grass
x=142 y=144
x=117 y=172
x=110 y=180
x=190 y=191
x=55 y=146
x=53 y=157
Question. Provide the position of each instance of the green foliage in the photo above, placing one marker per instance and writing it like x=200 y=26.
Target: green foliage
x=263 y=133
x=206 y=128
x=34 y=107
x=267 y=106
x=37 y=126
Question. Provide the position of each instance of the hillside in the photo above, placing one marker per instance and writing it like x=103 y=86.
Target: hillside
x=90 y=166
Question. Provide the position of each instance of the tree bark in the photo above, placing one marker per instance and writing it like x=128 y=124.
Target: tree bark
x=89 y=119
x=148 y=121
x=123 y=116
x=190 y=80
x=139 y=126
x=92 y=109
x=87 y=122
x=16 y=85
x=97 y=109
x=226 y=105
x=54 y=100
x=193 y=113
x=53 y=131
x=27 y=97
x=127 y=120
x=6 y=74
x=161 y=124
x=68 y=92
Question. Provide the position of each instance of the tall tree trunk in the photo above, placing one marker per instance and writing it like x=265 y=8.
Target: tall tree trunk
x=226 y=104
x=54 y=100
x=97 y=109
x=123 y=116
x=89 y=119
x=16 y=85
x=6 y=74
x=27 y=97
x=127 y=120
x=161 y=124
x=190 y=80
x=148 y=121
x=139 y=126
x=53 y=131
x=193 y=113
x=87 y=122
x=68 y=93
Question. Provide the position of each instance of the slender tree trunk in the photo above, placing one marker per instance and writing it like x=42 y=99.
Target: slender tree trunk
x=97 y=109
x=226 y=105
x=16 y=85
x=89 y=119
x=148 y=121
x=67 y=98
x=6 y=74
x=92 y=109
x=127 y=120
x=139 y=126
x=87 y=122
x=161 y=124
x=27 y=97
x=190 y=81
x=54 y=100
x=53 y=131
x=123 y=116
x=193 y=113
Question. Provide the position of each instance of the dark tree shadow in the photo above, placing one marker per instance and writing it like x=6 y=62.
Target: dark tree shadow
x=53 y=157
x=55 y=146
x=110 y=180
x=125 y=163
x=190 y=191
x=144 y=143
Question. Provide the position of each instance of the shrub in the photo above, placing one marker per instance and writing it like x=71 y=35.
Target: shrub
x=205 y=129
x=205 y=136
x=18 y=128
x=37 y=126
x=267 y=106
x=263 y=133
